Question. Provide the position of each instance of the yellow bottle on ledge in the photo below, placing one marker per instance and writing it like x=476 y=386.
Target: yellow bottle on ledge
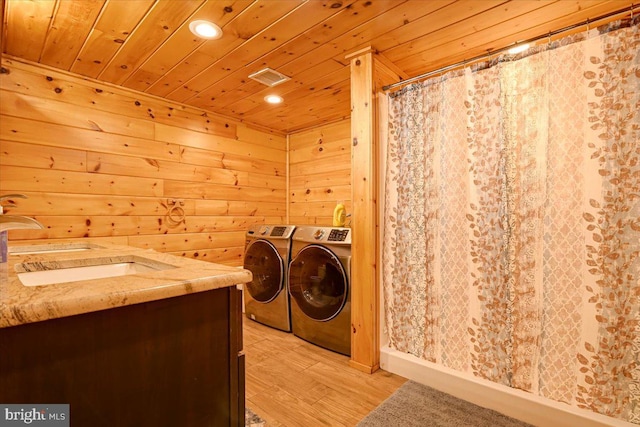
x=339 y=215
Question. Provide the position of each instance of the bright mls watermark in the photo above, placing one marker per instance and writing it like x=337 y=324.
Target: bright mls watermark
x=37 y=415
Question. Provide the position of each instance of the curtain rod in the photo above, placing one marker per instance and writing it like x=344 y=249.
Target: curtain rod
x=630 y=8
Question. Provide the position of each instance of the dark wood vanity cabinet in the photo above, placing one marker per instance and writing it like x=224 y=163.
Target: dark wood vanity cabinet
x=171 y=362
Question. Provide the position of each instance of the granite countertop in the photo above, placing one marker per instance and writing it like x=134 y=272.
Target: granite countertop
x=20 y=304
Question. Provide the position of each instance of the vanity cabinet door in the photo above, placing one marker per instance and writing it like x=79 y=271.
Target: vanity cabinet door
x=176 y=361
x=237 y=368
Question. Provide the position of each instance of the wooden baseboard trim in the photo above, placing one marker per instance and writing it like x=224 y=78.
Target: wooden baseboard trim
x=363 y=368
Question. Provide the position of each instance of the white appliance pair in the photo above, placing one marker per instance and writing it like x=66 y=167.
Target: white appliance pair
x=301 y=282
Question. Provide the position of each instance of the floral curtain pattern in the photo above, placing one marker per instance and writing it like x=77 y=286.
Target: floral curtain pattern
x=511 y=245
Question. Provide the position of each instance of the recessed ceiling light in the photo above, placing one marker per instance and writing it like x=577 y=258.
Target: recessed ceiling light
x=273 y=99
x=205 y=29
x=519 y=48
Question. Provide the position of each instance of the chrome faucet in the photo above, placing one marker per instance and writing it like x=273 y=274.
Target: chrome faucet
x=16 y=222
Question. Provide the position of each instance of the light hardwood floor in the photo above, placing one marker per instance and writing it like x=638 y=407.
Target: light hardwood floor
x=290 y=382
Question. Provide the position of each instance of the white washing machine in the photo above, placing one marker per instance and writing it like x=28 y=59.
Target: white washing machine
x=319 y=286
x=267 y=255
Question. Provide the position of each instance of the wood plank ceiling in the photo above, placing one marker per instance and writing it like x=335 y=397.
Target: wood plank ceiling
x=146 y=45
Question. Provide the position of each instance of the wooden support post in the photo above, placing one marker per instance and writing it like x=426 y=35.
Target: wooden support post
x=369 y=72
x=365 y=351
x=2 y=7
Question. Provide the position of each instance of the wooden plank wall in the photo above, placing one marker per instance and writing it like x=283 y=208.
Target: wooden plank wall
x=104 y=163
x=319 y=173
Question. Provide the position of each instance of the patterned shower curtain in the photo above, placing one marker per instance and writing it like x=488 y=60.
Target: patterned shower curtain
x=511 y=246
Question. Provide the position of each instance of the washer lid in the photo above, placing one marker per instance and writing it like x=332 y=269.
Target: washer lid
x=318 y=283
x=267 y=267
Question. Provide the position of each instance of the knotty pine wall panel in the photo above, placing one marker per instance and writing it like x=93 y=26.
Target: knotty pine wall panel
x=320 y=173
x=104 y=164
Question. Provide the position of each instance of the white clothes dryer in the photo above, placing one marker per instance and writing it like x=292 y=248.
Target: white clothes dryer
x=267 y=256
x=319 y=286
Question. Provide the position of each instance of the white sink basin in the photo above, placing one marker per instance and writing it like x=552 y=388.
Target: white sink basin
x=51 y=248
x=50 y=273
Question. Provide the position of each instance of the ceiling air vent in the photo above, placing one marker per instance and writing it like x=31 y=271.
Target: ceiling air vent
x=269 y=77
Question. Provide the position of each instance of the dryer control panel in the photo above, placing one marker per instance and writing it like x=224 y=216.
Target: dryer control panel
x=338 y=235
x=323 y=235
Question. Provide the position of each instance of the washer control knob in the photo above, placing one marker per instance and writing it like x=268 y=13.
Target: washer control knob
x=264 y=230
x=318 y=234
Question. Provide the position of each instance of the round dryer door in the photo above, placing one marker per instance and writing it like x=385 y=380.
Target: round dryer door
x=267 y=267
x=318 y=283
